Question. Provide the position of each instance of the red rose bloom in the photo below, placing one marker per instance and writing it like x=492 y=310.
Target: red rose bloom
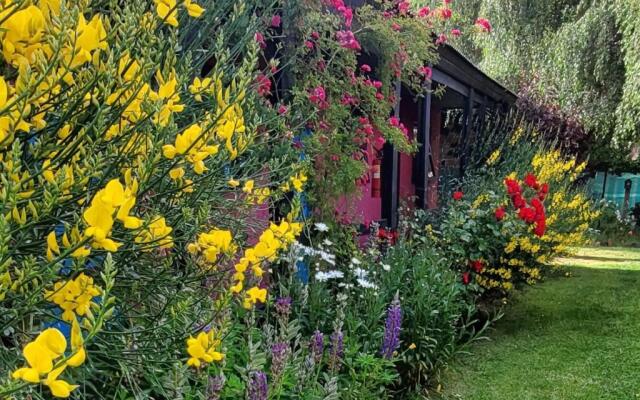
x=500 y=213
x=531 y=181
x=545 y=188
x=518 y=201
x=477 y=265
x=457 y=196
x=541 y=227
x=537 y=205
x=513 y=187
x=527 y=214
x=466 y=278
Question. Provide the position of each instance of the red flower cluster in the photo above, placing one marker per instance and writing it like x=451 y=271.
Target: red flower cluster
x=388 y=235
x=318 y=97
x=477 y=265
x=532 y=212
x=457 y=196
x=484 y=25
x=395 y=122
x=264 y=85
x=368 y=134
x=500 y=213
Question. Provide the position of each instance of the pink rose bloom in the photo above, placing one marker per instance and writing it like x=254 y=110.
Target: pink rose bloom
x=282 y=109
x=276 y=21
x=318 y=97
x=378 y=143
x=456 y=32
x=425 y=71
x=264 y=85
x=424 y=12
x=309 y=44
x=348 y=100
x=403 y=7
x=365 y=68
x=484 y=24
x=442 y=39
x=348 y=40
x=259 y=37
x=347 y=13
x=445 y=13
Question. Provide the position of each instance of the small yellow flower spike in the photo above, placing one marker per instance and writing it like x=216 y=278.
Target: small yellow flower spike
x=77 y=346
x=59 y=388
x=298 y=181
x=176 y=173
x=194 y=10
x=41 y=355
x=73 y=296
x=253 y=296
x=52 y=246
x=248 y=186
x=202 y=349
x=166 y=10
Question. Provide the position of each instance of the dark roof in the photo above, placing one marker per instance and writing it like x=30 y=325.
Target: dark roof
x=458 y=73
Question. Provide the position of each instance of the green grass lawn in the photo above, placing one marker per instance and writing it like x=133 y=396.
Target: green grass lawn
x=571 y=337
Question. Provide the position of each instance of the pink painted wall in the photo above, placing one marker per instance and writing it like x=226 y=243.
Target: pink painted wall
x=368 y=208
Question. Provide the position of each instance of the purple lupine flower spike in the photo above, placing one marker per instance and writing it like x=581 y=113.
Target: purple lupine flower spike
x=337 y=350
x=216 y=384
x=317 y=346
x=283 y=306
x=392 y=327
x=257 y=389
x=279 y=354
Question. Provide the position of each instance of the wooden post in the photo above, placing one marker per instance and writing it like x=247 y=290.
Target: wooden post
x=468 y=119
x=390 y=172
x=424 y=139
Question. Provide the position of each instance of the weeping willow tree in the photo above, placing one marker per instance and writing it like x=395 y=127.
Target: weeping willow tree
x=582 y=56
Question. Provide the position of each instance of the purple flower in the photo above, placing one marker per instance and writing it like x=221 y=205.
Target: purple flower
x=279 y=354
x=216 y=384
x=257 y=389
x=316 y=347
x=283 y=306
x=337 y=350
x=392 y=327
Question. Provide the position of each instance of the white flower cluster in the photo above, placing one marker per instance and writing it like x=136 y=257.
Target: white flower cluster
x=322 y=276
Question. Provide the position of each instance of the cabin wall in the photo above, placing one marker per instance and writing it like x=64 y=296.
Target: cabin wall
x=409 y=116
x=369 y=208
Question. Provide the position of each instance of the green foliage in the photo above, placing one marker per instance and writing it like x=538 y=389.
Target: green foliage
x=581 y=55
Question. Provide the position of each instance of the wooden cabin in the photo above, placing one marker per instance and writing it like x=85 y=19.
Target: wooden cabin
x=466 y=92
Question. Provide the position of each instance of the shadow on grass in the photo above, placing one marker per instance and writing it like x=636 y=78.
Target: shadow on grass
x=576 y=258
x=589 y=299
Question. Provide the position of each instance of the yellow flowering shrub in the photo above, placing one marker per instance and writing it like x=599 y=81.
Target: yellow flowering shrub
x=524 y=208
x=130 y=171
